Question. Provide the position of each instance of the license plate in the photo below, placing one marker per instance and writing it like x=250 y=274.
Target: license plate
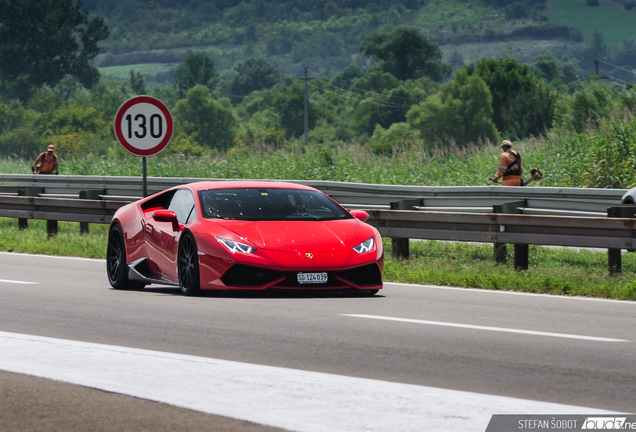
x=312 y=278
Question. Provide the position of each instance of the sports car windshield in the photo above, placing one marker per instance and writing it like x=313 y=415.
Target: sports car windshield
x=269 y=204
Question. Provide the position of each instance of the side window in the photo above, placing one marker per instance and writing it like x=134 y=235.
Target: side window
x=182 y=204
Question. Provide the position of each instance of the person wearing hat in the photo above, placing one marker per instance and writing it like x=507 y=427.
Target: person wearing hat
x=509 y=166
x=46 y=163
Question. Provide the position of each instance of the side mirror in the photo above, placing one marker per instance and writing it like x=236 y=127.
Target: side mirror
x=360 y=214
x=166 y=216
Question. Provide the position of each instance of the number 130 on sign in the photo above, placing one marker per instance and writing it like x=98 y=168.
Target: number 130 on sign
x=143 y=125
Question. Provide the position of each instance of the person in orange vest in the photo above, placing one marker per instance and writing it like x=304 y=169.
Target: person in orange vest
x=46 y=163
x=509 y=166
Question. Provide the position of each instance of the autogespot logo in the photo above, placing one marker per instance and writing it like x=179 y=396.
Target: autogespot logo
x=605 y=423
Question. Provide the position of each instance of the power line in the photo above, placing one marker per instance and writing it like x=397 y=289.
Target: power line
x=616 y=79
x=361 y=98
x=617 y=67
x=363 y=92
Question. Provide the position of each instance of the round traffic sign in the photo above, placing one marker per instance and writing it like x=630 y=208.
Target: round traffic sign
x=143 y=125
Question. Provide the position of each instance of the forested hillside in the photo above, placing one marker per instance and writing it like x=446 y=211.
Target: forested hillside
x=324 y=35
x=380 y=84
x=155 y=35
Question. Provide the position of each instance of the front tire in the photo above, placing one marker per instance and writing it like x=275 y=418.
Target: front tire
x=189 y=281
x=116 y=266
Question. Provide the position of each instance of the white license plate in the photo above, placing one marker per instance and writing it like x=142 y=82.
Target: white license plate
x=312 y=278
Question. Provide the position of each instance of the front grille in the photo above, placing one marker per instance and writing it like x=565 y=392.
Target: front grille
x=241 y=275
x=247 y=276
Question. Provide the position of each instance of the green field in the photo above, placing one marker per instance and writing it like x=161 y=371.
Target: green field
x=444 y=12
x=610 y=18
x=123 y=72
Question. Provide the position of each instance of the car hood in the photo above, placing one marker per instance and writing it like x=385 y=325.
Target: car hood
x=293 y=236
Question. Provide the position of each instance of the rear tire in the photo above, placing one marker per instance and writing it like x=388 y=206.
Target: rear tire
x=116 y=266
x=189 y=281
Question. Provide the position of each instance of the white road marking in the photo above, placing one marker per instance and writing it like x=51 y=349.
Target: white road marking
x=478 y=327
x=287 y=398
x=54 y=256
x=491 y=291
x=18 y=282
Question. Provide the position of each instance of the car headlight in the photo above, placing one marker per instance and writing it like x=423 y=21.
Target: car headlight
x=236 y=246
x=365 y=246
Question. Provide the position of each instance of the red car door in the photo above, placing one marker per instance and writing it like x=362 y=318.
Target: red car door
x=162 y=237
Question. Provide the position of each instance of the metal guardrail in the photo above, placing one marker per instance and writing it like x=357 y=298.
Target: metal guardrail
x=539 y=200
x=613 y=233
x=586 y=232
x=462 y=213
x=61 y=209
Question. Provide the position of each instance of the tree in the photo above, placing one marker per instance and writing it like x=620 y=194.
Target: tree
x=137 y=83
x=213 y=122
x=251 y=75
x=626 y=55
x=386 y=108
x=41 y=41
x=461 y=112
x=407 y=54
x=197 y=69
x=398 y=134
x=374 y=80
x=521 y=105
x=598 y=48
x=516 y=10
x=591 y=103
x=345 y=78
x=545 y=65
x=18 y=130
x=289 y=102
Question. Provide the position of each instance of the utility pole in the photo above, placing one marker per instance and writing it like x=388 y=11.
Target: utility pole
x=306 y=104
x=596 y=62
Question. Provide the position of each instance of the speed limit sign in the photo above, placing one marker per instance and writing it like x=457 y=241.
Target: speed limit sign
x=143 y=125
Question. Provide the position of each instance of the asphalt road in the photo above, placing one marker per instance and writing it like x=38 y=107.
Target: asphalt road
x=545 y=348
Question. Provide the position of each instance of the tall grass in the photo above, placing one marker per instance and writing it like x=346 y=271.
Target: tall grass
x=604 y=156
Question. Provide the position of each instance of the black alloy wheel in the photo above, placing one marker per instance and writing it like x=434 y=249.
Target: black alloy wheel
x=116 y=261
x=189 y=266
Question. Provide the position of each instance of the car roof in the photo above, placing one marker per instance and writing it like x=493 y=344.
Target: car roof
x=227 y=184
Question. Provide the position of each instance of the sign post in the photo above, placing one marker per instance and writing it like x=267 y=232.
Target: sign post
x=143 y=126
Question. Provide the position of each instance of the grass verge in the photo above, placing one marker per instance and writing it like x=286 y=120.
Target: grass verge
x=553 y=271
x=68 y=241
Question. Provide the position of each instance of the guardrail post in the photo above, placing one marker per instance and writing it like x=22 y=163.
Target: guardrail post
x=521 y=250
x=51 y=227
x=614 y=259
x=521 y=257
x=89 y=194
x=31 y=191
x=400 y=246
